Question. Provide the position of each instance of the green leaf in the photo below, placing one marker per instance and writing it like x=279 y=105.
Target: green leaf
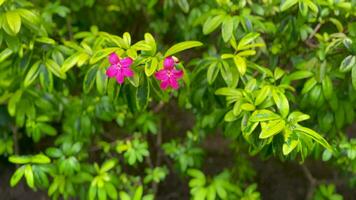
x=101 y=54
x=138 y=193
x=327 y=87
x=228 y=92
x=40 y=159
x=299 y=75
x=124 y=196
x=20 y=159
x=111 y=190
x=263 y=115
x=89 y=79
x=271 y=128
x=92 y=192
x=54 y=68
x=11 y=106
x=143 y=94
x=240 y=64
x=46 y=40
x=287 y=4
x=16 y=177
x=227 y=28
x=297 y=116
x=315 y=136
x=281 y=101
x=353 y=76
x=5 y=54
x=184 y=5
x=70 y=62
x=32 y=74
x=212 y=73
x=29 y=17
x=101 y=81
x=309 y=85
x=348 y=63
x=151 y=68
x=181 y=47
x=212 y=23
x=290 y=141
x=101 y=193
x=127 y=39
x=262 y=95
x=246 y=40
x=107 y=165
x=13 y=21
x=2 y=1
x=29 y=176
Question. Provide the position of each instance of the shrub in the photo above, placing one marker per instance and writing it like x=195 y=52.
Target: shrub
x=108 y=99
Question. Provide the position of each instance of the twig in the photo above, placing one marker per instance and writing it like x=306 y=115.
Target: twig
x=158 y=107
x=312 y=181
x=69 y=27
x=316 y=29
x=308 y=42
x=15 y=138
x=158 y=144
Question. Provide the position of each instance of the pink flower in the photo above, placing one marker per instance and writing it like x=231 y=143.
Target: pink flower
x=119 y=68
x=169 y=75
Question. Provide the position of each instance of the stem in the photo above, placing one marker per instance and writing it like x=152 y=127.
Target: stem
x=312 y=181
x=15 y=138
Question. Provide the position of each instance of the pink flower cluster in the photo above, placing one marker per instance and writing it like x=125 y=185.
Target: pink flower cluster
x=121 y=68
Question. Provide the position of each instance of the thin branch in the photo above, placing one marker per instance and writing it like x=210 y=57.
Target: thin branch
x=312 y=181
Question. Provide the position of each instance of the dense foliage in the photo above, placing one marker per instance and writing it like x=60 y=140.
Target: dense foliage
x=273 y=78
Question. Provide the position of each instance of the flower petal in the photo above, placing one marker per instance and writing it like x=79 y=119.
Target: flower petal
x=120 y=77
x=114 y=59
x=174 y=83
x=127 y=72
x=111 y=71
x=126 y=62
x=161 y=75
x=168 y=62
x=164 y=84
x=177 y=73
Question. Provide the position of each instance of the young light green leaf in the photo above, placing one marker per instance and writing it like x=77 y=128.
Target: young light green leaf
x=297 y=116
x=281 y=102
x=240 y=64
x=271 y=128
x=262 y=95
x=150 y=68
x=124 y=196
x=13 y=21
x=40 y=159
x=16 y=177
x=263 y=115
x=290 y=142
x=315 y=136
x=181 y=47
x=138 y=193
x=29 y=176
